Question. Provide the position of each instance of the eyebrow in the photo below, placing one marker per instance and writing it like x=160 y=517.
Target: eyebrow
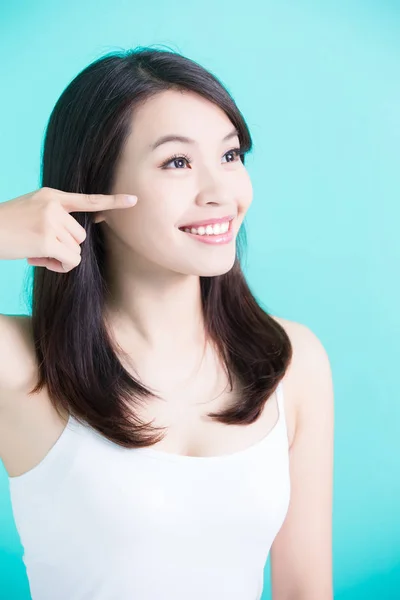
x=181 y=138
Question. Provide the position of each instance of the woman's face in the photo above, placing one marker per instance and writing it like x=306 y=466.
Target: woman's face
x=174 y=192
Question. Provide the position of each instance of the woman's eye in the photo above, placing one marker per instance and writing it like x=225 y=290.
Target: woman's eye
x=176 y=160
x=180 y=160
x=235 y=152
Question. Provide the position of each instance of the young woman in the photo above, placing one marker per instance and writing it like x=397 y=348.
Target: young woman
x=162 y=433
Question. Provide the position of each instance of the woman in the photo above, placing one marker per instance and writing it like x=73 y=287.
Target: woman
x=176 y=433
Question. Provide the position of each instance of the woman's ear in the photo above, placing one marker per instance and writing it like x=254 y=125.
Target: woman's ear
x=99 y=217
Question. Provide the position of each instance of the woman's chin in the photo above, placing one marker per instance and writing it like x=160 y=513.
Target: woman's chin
x=213 y=268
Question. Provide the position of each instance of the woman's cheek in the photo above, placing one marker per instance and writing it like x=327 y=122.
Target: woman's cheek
x=245 y=191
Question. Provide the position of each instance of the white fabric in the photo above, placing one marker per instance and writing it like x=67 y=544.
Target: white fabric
x=102 y=522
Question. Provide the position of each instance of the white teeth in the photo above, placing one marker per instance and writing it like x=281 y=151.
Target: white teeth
x=216 y=229
x=224 y=227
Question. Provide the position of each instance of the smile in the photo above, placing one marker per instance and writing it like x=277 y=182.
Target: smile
x=215 y=233
x=214 y=229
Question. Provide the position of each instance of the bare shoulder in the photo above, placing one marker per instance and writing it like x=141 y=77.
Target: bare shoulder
x=17 y=357
x=307 y=384
x=302 y=338
x=309 y=353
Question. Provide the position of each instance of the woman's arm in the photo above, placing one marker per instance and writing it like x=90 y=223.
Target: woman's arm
x=301 y=554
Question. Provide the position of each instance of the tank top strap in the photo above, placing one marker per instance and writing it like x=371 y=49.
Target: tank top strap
x=281 y=403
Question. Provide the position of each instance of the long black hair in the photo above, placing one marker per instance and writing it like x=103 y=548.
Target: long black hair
x=76 y=354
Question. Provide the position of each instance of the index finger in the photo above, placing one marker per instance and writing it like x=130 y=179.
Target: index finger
x=73 y=202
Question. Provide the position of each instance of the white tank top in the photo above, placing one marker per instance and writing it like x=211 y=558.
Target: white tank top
x=102 y=522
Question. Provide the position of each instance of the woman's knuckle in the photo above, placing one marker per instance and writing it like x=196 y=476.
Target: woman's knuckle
x=47 y=244
x=92 y=198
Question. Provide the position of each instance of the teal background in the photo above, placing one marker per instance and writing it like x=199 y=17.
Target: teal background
x=318 y=83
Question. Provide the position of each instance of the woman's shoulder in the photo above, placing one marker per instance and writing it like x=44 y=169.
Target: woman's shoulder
x=306 y=345
x=308 y=349
x=308 y=374
x=18 y=367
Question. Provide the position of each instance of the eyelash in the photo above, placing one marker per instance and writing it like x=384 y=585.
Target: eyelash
x=238 y=151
